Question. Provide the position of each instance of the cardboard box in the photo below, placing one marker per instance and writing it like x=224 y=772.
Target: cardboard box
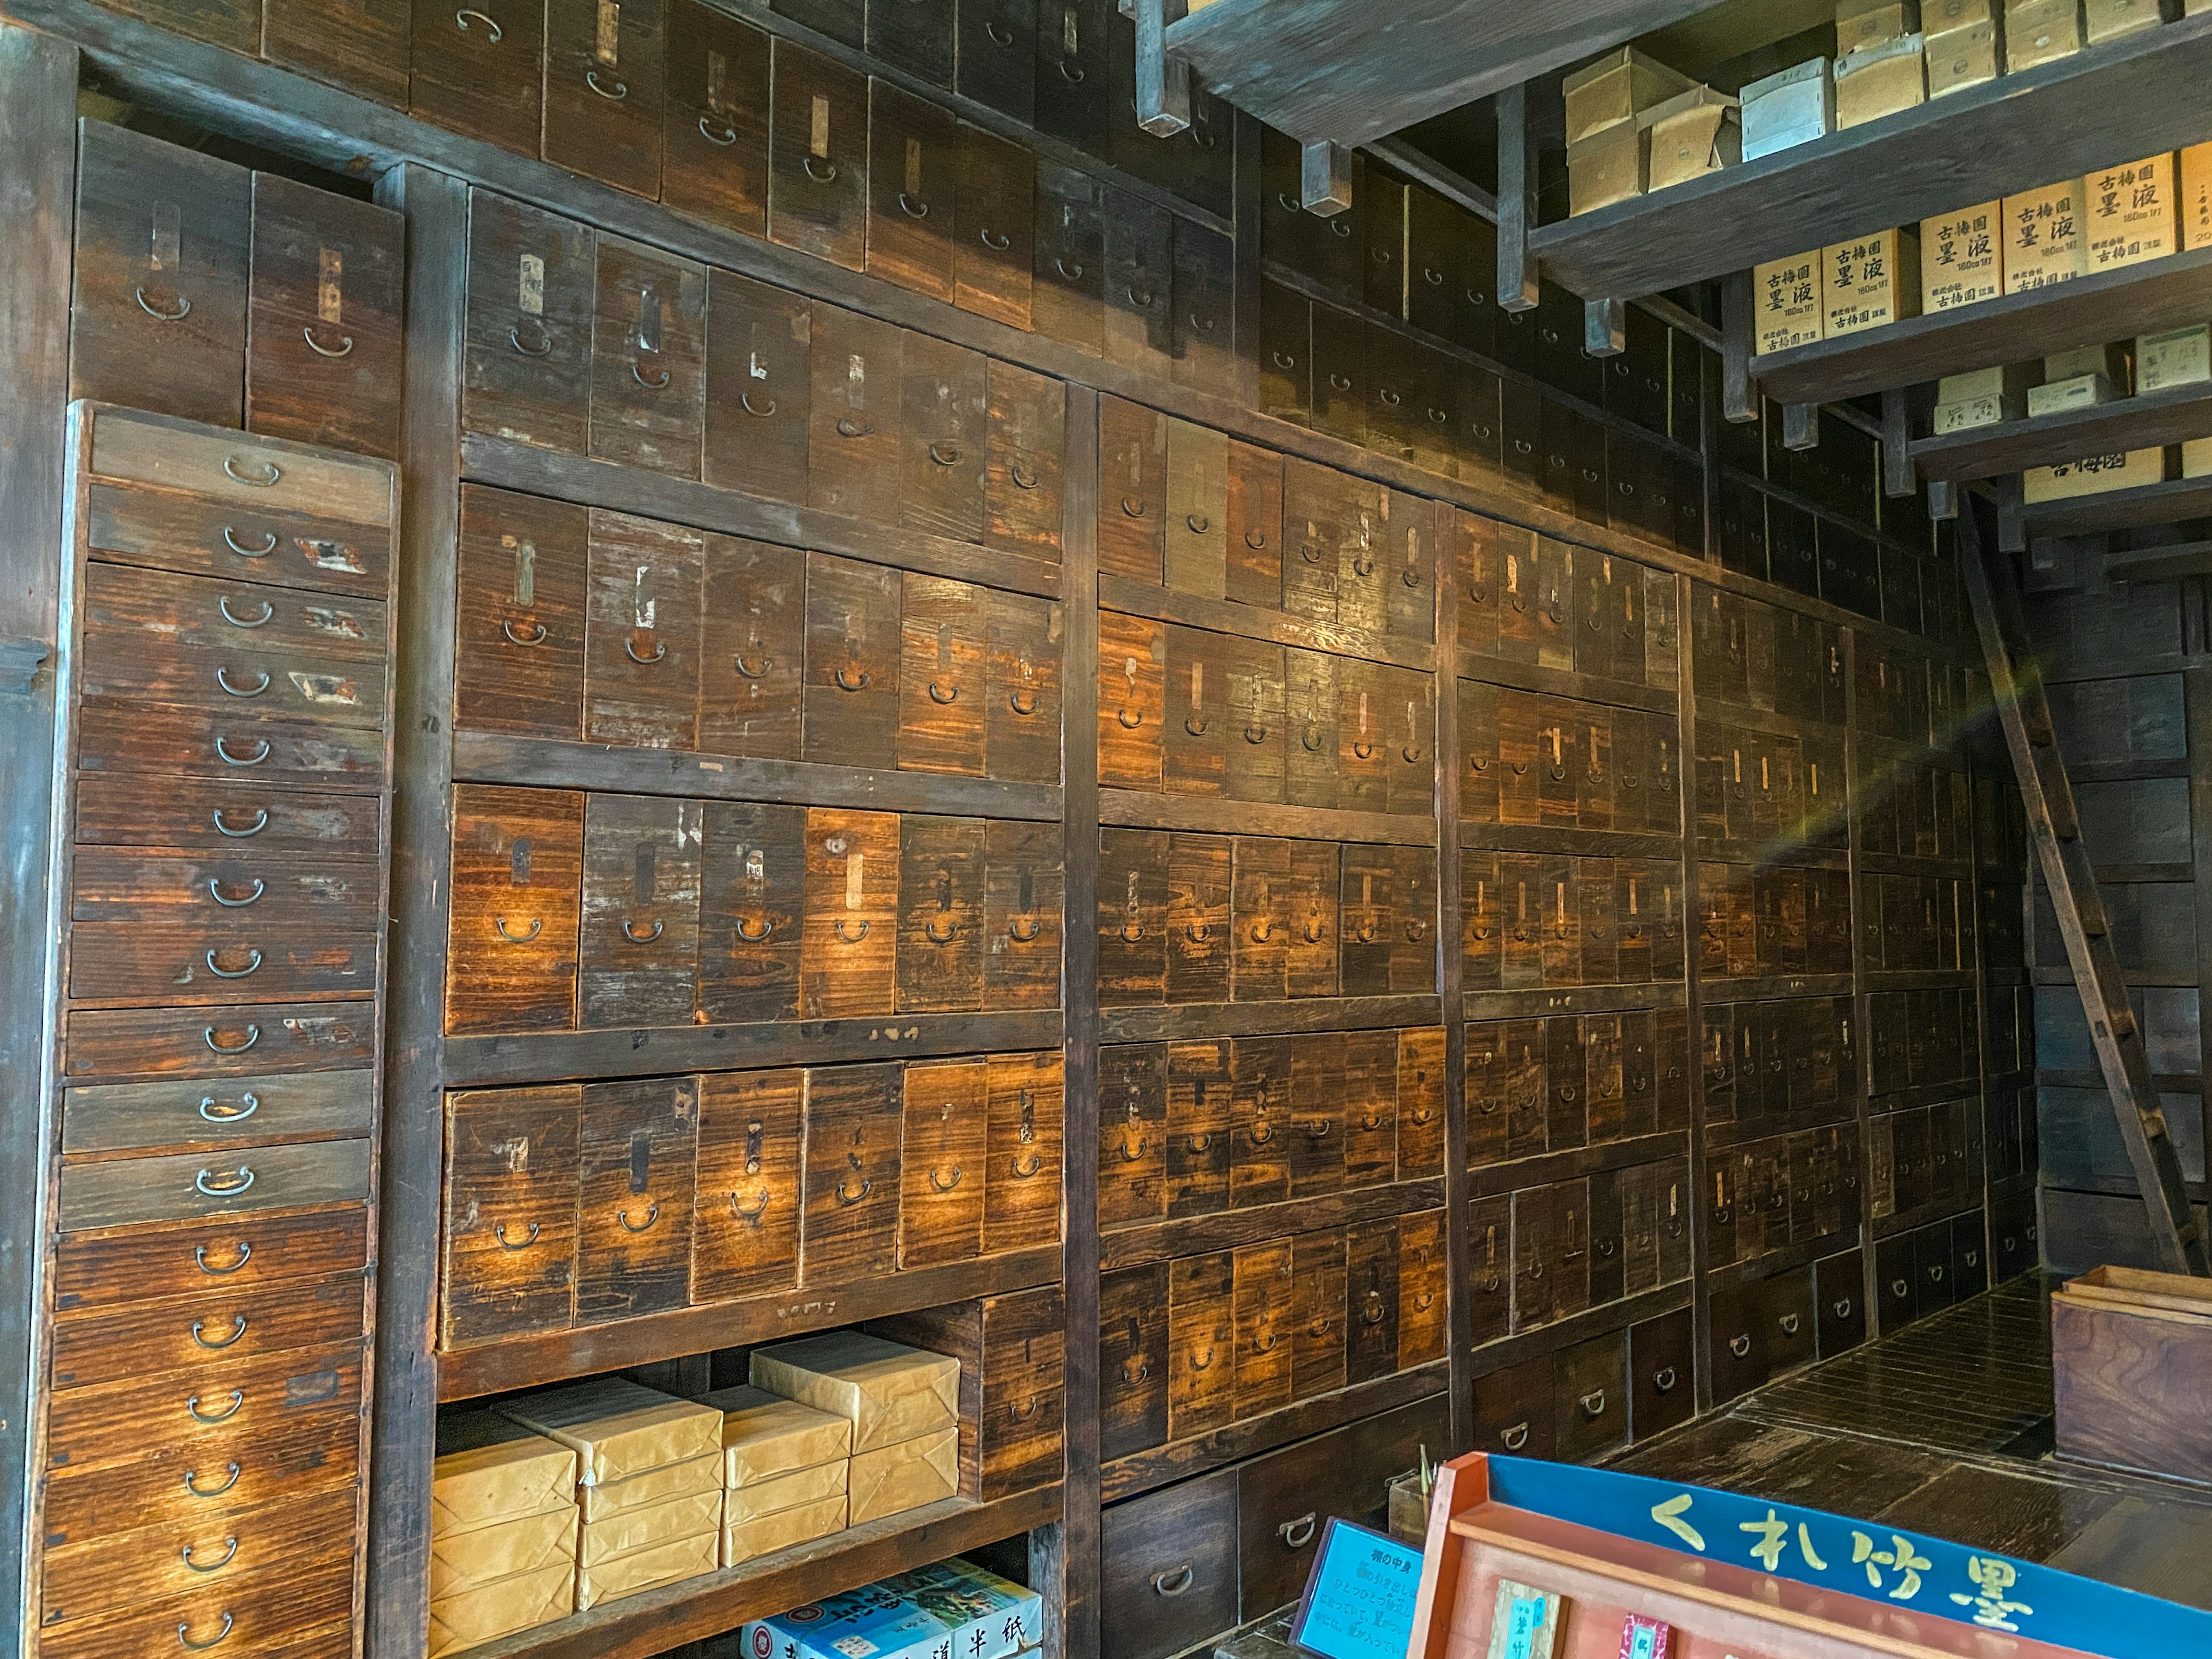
x=1962 y=57
x=463 y=1561
x=948 y=1609
x=2040 y=32
x=1984 y=396
x=619 y=1428
x=2074 y=391
x=649 y=1526
x=1869 y=22
x=1792 y=107
x=2046 y=237
x=1698 y=133
x=660 y=1485
x=648 y=1569
x=1787 y=303
x=794 y=1489
x=1608 y=167
x=2129 y=215
x=1870 y=281
x=1879 y=80
x=2197 y=457
x=2181 y=356
x=501 y=1608
x=491 y=1468
x=1964 y=414
x=2113 y=20
x=764 y=1435
x=763 y=1535
x=2094 y=475
x=988 y=1617
x=1961 y=257
x=2109 y=361
x=2195 y=212
x=1617 y=88
x=1941 y=16
x=889 y=1393
x=891 y=1480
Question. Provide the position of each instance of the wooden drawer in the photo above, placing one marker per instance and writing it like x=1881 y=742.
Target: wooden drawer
x=1260 y=1071
x=176 y=959
x=1140 y=278
x=115 y=812
x=637 y=1150
x=994 y=247
x=914 y=175
x=849 y=953
x=511 y=1192
x=229 y=474
x=849 y=1225
x=1201 y=331
x=527 y=373
x=648 y=356
x=116 y=735
x=121 y=1269
x=160 y=275
x=1168 y=1567
x=1318 y=1260
x=1012 y=1353
x=1792 y=1320
x=1133 y=490
x=1131 y=701
x=224 y=1327
x=714 y=144
x=1489 y=1261
x=1023 y=883
x=604 y=91
x=1133 y=909
x=1201 y=1349
x=235 y=884
x=519 y=660
x=1370 y=1300
x=190 y=534
x=1022 y=728
x=281 y=1036
x=941 y=1160
x=1593 y=1401
x=476 y=72
x=760 y=369
x=1021 y=1194
x=854 y=640
x=1132 y=1373
x=1370 y=1068
x=856 y=443
x=745 y=1237
x=205 y=1404
x=1662 y=1385
x=259 y=1611
x=194 y=1185
x=1839 y=1294
x=120 y=1117
x=1132 y=1111
x=944 y=629
x=1265 y=1291
x=818 y=157
x=754 y=876
x=517 y=886
x=1740 y=1348
x=1025 y=461
x=639 y=942
x=941 y=944
x=997 y=55
x=1068 y=302
x=1422 y=1275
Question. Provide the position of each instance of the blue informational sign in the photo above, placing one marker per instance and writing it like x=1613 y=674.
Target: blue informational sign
x=1857 y=1557
x=1358 y=1602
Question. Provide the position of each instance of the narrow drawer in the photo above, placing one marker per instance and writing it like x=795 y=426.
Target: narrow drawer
x=224 y=1327
x=1513 y=1409
x=87 y=1428
x=1792 y=1323
x=303 y=1036
x=1839 y=1293
x=1168 y=1568
x=215 y=961
x=1020 y=1433
x=234 y=470
x=1662 y=1388
x=124 y=1117
x=118 y=1269
x=118 y=736
x=254 y=1613
x=1593 y=1401
x=171 y=608
x=239 y=540
x=226 y=885
x=1738 y=1351
x=120 y=812
x=126 y=1191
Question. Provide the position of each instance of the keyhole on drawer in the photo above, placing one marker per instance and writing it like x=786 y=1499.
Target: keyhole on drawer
x=756 y=1134
x=641 y=872
x=641 y=1160
x=518 y=861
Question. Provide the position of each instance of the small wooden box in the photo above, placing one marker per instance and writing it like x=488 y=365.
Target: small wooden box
x=1791 y=310
x=2130 y=213
x=2131 y=1355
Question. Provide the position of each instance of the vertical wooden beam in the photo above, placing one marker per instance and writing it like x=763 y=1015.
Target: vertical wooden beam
x=37 y=149
x=1739 y=399
x=1324 y=178
x=1801 y=426
x=1710 y=415
x=405 y=1410
x=1516 y=200
x=1605 y=327
x=1942 y=499
x=1685 y=767
x=1861 y=1085
x=2196 y=703
x=1163 y=82
x=1078 y=1540
x=1973 y=919
x=2012 y=517
x=1451 y=980
x=1249 y=194
x=1897 y=481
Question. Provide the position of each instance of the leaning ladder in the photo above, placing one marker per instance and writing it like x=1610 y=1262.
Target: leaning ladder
x=2048 y=798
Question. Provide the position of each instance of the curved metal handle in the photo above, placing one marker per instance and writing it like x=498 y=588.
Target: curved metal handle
x=1198 y=522
x=945 y=1186
x=1256 y=734
x=1296 y=1535
x=1133 y=508
x=1143 y=302
x=1339 y=382
x=1313 y=932
x=1284 y=360
x=746 y=934
x=1135 y=1368
x=850 y=938
x=1739 y=1346
x=652 y=1215
x=745 y=400
x=192 y=1483
x=629 y=649
x=1662 y=1380
x=930 y=930
x=1014 y=929
x=499 y=1232
x=247 y=1105
x=1030 y=482
x=184 y=309
x=200 y=1260
x=1072 y=273
x=1788 y=1323
x=1132 y=1153
x=184 y=1631
x=461 y=22
x=621 y=89
x=1261 y=931
x=631 y=932
x=724 y=138
x=268 y=546
x=199 y=1332
x=222 y=753
x=1935 y=1274
x=938 y=453
x=941 y=696
x=237 y=1401
x=865 y=680
x=253 y=963
x=253 y=1036
x=1132 y=931
x=844 y=1196
x=1195 y=727
x=344 y=350
x=999 y=34
x=544 y=340
x=537 y=927
x=1842 y=1308
x=274 y=471
x=751 y=1218
x=1375 y=1310
x=1515 y=1437
x=229 y=1554
x=1319 y=1130
x=1035 y=1162
x=912 y=208
x=1262 y=1131
x=1199 y=1365
x=222 y=679
x=826 y=175
x=211 y=1185
x=1175 y=1581
x=1023 y=1413
x=507 y=627
x=1593 y=1404
x=637 y=373
x=1131 y=719
x=994 y=241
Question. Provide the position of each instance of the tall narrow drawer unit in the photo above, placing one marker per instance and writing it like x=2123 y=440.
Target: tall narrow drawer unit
x=228 y=689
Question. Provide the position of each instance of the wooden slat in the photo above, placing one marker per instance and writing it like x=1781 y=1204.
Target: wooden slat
x=1136 y=810
x=2148 y=419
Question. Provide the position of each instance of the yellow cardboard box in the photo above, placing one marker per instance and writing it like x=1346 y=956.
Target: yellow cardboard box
x=2130 y=213
x=889 y=1393
x=892 y=1479
x=2046 y=237
x=1870 y=281
x=1961 y=258
x=1789 y=305
x=2094 y=475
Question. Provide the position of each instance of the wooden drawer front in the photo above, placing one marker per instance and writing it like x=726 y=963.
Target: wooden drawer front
x=1025 y=457
x=1792 y=1320
x=228 y=1042
x=649 y=357
x=519 y=662
x=1132 y=1372
x=122 y=735
x=942 y=1161
x=940 y=927
x=512 y=1195
x=995 y=243
x=1140 y=275
x=1022 y=879
x=642 y=633
x=1371 y=1107
x=604 y=91
x=1420 y=1102
x=115 y=812
x=1168 y=1566
x=176 y=960
x=943 y=419
x=222 y=1328
x=482 y=80
x=1262 y=896
x=1254 y=740
x=1254 y=498
x=639 y=946
x=751 y=899
x=853 y=651
x=1022 y=728
x=1514 y=1410
x=1490 y=1256
x=107 y=1271
x=916 y=36
x=1481 y=922
x=1312 y=533
x=1663 y=1390
x=1931 y=1261
x=111 y=1423
x=1197 y=529
x=192 y=1186
x=715 y=143
x=1133 y=1134
x=1133 y=490
x=1023 y=1417
x=1423 y=1273
x=849 y=947
x=120 y=1117
x=1196 y=747
x=1317 y=1334
x=1286 y=354
x=745 y=1237
x=1739 y=1351
x=996 y=47
x=528 y=369
x=1592 y=1398
x=242 y=483
x=1316 y=1127
x=1132 y=655
x=1840 y=1303
x=259 y=1611
x=1067 y=303
x=850 y=1225
x=1282 y=1497
x=1370 y=1311
x=1307 y=910
x=1488 y=1072
x=322 y=361
x=913 y=174
x=161 y=274
x=750 y=675
x=517 y=887
x=637 y=1149
x=1265 y=1288
x=1133 y=909
x=1021 y=1192
x=760 y=364
x=944 y=660
x=1260 y=1074
x=818 y=198
x=1201 y=329
x=143 y=886
x=1201 y=1344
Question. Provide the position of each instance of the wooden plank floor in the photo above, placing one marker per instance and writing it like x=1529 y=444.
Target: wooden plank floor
x=1945 y=1429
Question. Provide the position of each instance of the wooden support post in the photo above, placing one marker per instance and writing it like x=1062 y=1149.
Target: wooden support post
x=2196 y=706
x=1516 y=200
x=1451 y=978
x=1801 y=426
x=1163 y=82
x=2012 y=515
x=1605 y=327
x=2070 y=879
x=1897 y=475
x=1738 y=398
x=1942 y=499
x=1324 y=178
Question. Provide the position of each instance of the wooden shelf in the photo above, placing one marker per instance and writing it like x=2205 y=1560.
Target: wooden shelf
x=1712 y=988
x=1489 y=1180
x=1174 y=1022
x=1580 y=843
x=637 y=1626
x=1575 y=999
x=2159 y=293
x=1251 y=621
x=2131 y=97
x=1225 y=1229
x=1136 y=809
x=2170 y=502
x=1500 y=1352
x=2149 y=420
x=1566 y=682
x=521 y=1362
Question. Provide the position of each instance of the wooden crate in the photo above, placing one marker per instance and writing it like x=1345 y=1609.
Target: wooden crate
x=2131 y=1355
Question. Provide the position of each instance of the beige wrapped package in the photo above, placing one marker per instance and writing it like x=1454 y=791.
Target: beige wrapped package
x=649 y=1525
x=764 y=1435
x=892 y=1479
x=799 y=1488
x=492 y=1468
x=2196 y=169
x=660 y=1485
x=463 y=1561
x=620 y=1428
x=2094 y=475
x=502 y=1608
x=766 y=1534
x=888 y=1393
x=648 y=1569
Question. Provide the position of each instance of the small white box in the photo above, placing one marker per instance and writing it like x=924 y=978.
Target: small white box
x=2075 y=391
x=2181 y=356
x=1793 y=107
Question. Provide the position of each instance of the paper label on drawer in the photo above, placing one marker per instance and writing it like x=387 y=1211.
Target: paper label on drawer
x=818 y=130
x=329 y=286
x=167 y=235
x=610 y=35
x=530 y=285
x=332 y=556
x=718 y=80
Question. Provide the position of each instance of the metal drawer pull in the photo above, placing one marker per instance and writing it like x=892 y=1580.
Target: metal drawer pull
x=1072 y=273
x=545 y=341
x=222 y=753
x=238 y=1329
x=637 y=373
x=322 y=350
x=844 y=1196
x=1662 y=1381
x=537 y=927
x=1015 y=929
x=1198 y=1365
x=1788 y=1323
x=1296 y=1535
x=184 y=309
x=1843 y=1308
x=461 y=22
x=745 y=398
x=746 y=930
x=652 y=1215
x=1935 y=1275
x=215 y=892
x=229 y=1554
x=222 y=679
x=269 y=545
x=631 y=932
x=826 y=175
x=1131 y=1154
x=1143 y=302
x=185 y=1634
x=1740 y=1346
x=1132 y=507
x=1135 y=1368
x=237 y=1401
x=850 y=938
x=993 y=240
x=942 y=696
x=944 y=454
x=192 y=1483
x=268 y=610
x=274 y=471
x=246 y=1106
x=1024 y=1167
x=499 y=1232
x=946 y=1185
x=912 y=208
x=1021 y=1414
x=1515 y=1437
x=1175 y=1581
x=1199 y=523
x=751 y=1218
x=1593 y=1404
x=750 y=674
x=999 y=34
x=861 y=685
x=199 y=1259
x=254 y=963
x=514 y=638
x=253 y=1036
x=1021 y=481
x=621 y=89
x=211 y=1185
x=725 y=137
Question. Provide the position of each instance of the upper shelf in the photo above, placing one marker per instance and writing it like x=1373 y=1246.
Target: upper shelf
x=2099 y=107
x=2149 y=420
x=1355 y=70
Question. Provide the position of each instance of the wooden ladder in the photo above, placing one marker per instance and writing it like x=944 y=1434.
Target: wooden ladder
x=2048 y=798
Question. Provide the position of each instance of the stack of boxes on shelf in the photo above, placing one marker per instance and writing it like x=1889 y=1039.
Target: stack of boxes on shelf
x=1634 y=125
x=502 y=1531
x=784 y=1472
x=903 y=1406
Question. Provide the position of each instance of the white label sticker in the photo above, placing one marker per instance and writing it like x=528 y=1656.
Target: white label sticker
x=330 y=287
x=530 y=285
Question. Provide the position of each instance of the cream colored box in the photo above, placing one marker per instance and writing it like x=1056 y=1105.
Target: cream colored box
x=2046 y=237
x=463 y=1561
x=1961 y=261
x=2094 y=475
x=1698 y=133
x=891 y=1480
x=501 y=1608
x=660 y=1485
x=2181 y=356
x=766 y=1534
x=1879 y=80
x=2040 y=32
x=889 y=1393
x=2197 y=196
x=2007 y=382
x=1868 y=22
x=1942 y=16
x=2111 y=19
x=1870 y=281
x=1963 y=57
x=1616 y=88
x=764 y=1435
x=1964 y=414
x=619 y=1428
x=496 y=1470
x=648 y=1569
x=647 y=1526
x=800 y=1488
x=2074 y=391
x=1787 y=303
x=1611 y=165
x=2130 y=214
x=2109 y=361
x=2197 y=457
